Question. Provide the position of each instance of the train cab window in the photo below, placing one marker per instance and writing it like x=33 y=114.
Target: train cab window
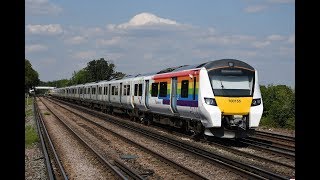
x=154 y=91
x=163 y=89
x=184 y=88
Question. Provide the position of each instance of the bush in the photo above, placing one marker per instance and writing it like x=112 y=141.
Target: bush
x=279 y=106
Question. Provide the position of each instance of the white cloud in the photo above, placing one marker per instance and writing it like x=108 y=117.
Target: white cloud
x=143 y=19
x=261 y=44
x=230 y=40
x=281 y=1
x=76 y=40
x=255 y=8
x=111 y=41
x=41 y=7
x=50 y=29
x=35 y=48
x=275 y=37
x=84 y=55
x=291 y=39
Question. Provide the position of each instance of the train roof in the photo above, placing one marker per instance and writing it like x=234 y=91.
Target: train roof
x=226 y=62
x=208 y=65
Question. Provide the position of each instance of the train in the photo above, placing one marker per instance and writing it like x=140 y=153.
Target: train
x=219 y=98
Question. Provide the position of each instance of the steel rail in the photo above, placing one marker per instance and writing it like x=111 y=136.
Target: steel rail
x=275 y=135
x=242 y=168
x=49 y=168
x=101 y=158
x=55 y=155
x=186 y=170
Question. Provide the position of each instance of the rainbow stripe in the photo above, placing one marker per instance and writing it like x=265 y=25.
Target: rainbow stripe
x=192 y=99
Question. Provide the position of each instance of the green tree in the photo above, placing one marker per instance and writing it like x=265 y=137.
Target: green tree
x=101 y=70
x=31 y=76
x=80 y=77
x=279 y=105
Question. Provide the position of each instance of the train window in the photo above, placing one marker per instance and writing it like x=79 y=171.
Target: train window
x=163 y=89
x=93 y=90
x=116 y=90
x=184 y=88
x=88 y=90
x=112 y=90
x=124 y=90
x=128 y=90
x=140 y=89
x=194 y=88
x=99 y=90
x=154 y=92
x=105 y=90
x=135 y=89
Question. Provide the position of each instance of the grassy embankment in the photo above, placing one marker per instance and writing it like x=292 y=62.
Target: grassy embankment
x=31 y=135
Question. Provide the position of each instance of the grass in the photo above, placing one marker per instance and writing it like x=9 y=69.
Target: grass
x=29 y=112
x=31 y=136
x=30 y=101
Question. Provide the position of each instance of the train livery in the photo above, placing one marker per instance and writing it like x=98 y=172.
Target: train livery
x=218 y=98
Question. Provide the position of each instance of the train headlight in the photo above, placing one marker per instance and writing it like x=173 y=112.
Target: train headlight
x=256 y=102
x=210 y=101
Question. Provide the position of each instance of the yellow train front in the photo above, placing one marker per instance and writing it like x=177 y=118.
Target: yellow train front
x=230 y=99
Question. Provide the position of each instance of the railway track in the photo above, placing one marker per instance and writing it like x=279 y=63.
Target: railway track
x=241 y=168
x=128 y=170
x=48 y=147
x=267 y=146
x=114 y=169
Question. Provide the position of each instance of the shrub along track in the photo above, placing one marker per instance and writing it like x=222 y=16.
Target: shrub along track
x=214 y=158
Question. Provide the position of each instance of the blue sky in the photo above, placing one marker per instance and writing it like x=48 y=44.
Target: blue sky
x=146 y=36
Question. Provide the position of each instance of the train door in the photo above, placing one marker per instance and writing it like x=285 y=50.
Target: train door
x=173 y=97
x=146 y=94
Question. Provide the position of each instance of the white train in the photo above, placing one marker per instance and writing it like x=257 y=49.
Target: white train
x=218 y=98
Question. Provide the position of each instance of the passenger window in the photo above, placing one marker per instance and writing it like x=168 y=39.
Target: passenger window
x=154 y=91
x=112 y=90
x=99 y=90
x=116 y=90
x=140 y=89
x=194 y=88
x=135 y=89
x=184 y=88
x=163 y=89
x=128 y=90
x=124 y=90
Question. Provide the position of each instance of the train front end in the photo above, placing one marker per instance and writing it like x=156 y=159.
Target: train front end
x=231 y=99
